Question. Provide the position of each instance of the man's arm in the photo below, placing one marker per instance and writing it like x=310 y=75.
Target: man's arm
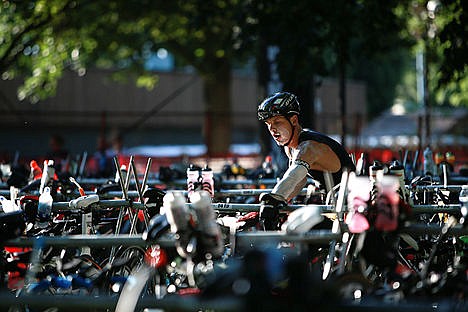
x=292 y=182
x=289 y=186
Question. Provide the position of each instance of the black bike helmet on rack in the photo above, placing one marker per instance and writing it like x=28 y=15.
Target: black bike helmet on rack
x=280 y=103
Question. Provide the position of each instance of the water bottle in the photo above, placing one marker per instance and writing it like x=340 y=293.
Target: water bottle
x=44 y=207
x=206 y=223
x=387 y=204
x=396 y=169
x=123 y=172
x=361 y=165
x=376 y=172
x=463 y=197
x=44 y=177
x=428 y=161
x=208 y=181
x=359 y=191
x=176 y=212
x=7 y=205
x=48 y=174
x=51 y=170
x=193 y=175
x=267 y=166
x=178 y=217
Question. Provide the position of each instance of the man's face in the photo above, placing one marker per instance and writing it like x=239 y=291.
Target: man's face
x=280 y=129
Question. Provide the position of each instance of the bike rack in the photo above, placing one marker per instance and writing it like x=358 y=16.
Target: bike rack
x=223 y=304
x=325 y=236
x=88 y=240
x=221 y=193
x=265 y=239
x=91 y=303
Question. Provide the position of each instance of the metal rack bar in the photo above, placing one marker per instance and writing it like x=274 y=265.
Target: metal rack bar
x=89 y=240
x=91 y=303
x=439 y=187
x=325 y=236
x=221 y=193
x=233 y=207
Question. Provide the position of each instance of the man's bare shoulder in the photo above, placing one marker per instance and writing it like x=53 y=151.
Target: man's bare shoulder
x=310 y=144
x=318 y=155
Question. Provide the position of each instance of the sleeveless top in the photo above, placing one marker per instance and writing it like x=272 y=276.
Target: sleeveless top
x=337 y=148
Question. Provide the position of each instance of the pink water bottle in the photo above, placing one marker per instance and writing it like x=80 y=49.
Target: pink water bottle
x=387 y=204
x=358 y=200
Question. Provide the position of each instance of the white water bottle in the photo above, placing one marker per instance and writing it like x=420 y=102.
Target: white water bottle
x=7 y=205
x=206 y=222
x=44 y=177
x=192 y=179
x=123 y=172
x=361 y=165
x=178 y=216
x=398 y=171
x=376 y=172
x=208 y=181
x=267 y=166
x=463 y=197
x=44 y=207
x=176 y=212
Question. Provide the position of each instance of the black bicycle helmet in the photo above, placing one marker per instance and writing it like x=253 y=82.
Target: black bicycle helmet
x=280 y=103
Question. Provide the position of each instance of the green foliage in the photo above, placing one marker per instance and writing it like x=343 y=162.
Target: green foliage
x=441 y=34
x=317 y=38
x=452 y=41
x=29 y=46
x=40 y=39
x=453 y=93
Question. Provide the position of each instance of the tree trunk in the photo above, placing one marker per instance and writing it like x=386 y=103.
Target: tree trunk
x=343 y=113
x=263 y=77
x=342 y=60
x=217 y=125
x=302 y=89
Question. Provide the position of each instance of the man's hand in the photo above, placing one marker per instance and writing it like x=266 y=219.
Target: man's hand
x=269 y=210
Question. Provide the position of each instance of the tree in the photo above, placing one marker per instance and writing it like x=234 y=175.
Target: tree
x=380 y=54
x=452 y=40
x=40 y=39
x=438 y=29
x=31 y=48
x=207 y=36
x=332 y=38
x=53 y=35
x=296 y=31
x=450 y=45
